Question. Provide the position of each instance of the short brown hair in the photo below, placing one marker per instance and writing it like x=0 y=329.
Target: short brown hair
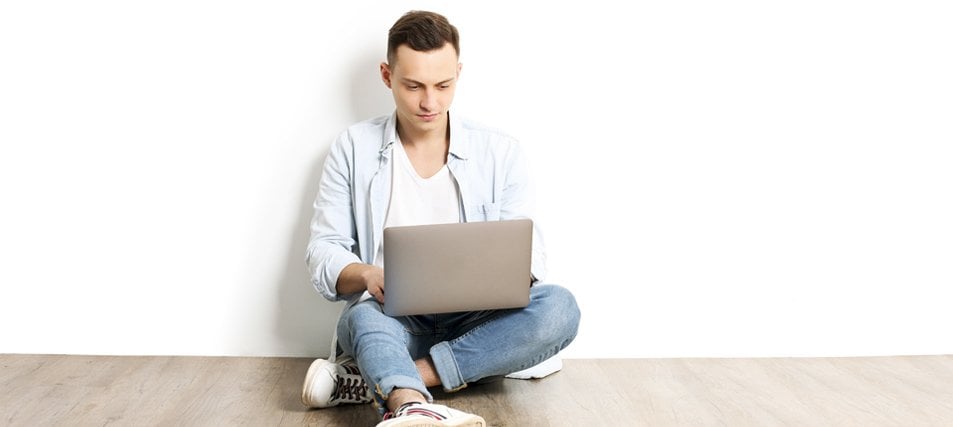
x=421 y=31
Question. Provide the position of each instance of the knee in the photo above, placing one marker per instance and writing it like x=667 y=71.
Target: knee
x=358 y=314
x=557 y=300
x=558 y=310
x=362 y=319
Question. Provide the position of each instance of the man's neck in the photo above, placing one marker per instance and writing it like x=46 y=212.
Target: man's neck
x=420 y=139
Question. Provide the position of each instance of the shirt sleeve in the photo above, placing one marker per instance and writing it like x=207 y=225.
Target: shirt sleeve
x=518 y=201
x=330 y=248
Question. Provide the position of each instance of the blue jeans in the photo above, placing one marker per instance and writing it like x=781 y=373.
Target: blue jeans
x=465 y=347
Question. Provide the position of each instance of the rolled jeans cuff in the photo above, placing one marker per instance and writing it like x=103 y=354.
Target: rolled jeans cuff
x=391 y=382
x=446 y=366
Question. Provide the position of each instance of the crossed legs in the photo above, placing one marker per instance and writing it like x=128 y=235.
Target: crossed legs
x=400 y=357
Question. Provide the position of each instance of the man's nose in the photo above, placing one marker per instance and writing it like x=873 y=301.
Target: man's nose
x=429 y=101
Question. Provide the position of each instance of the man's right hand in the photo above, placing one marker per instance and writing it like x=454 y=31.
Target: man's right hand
x=359 y=277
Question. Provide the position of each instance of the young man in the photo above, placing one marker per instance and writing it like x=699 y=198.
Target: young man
x=421 y=165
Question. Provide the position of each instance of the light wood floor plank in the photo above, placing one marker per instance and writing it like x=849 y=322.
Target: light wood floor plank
x=874 y=391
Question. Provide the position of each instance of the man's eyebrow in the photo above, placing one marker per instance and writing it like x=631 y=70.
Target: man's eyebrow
x=406 y=80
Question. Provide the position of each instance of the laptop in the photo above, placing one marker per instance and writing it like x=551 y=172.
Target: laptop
x=445 y=268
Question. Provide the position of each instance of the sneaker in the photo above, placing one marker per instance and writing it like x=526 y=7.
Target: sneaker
x=417 y=414
x=546 y=368
x=330 y=384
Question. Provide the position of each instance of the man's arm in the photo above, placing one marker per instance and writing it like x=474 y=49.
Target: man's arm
x=518 y=201
x=359 y=277
x=332 y=227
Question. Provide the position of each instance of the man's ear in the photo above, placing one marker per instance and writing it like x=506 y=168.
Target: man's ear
x=459 y=68
x=385 y=74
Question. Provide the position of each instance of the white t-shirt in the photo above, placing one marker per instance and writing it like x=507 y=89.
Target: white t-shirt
x=417 y=201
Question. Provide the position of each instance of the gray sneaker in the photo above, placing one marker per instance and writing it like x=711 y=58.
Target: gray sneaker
x=330 y=384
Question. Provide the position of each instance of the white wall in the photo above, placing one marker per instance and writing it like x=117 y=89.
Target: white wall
x=715 y=178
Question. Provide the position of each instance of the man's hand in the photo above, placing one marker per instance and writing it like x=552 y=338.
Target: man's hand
x=362 y=277
x=374 y=281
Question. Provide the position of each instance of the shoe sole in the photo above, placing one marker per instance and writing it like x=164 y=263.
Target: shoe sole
x=469 y=420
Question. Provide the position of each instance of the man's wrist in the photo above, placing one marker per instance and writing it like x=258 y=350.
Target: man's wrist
x=366 y=272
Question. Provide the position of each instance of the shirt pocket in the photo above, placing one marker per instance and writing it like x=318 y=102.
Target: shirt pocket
x=485 y=212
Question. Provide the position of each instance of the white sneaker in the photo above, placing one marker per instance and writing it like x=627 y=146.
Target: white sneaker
x=546 y=368
x=416 y=414
x=330 y=384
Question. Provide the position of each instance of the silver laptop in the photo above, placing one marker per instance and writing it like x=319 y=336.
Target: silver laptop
x=446 y=268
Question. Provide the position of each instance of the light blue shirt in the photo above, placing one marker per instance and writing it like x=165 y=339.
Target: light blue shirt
x=351 y=205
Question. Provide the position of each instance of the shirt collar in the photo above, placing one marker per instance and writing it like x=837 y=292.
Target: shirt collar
x=390 y=132
x=458 y=139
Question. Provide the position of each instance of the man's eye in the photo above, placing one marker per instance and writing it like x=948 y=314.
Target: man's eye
x=413 y=87
x=444 y=86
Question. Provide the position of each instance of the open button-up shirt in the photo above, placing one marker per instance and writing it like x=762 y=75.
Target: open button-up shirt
x=354 y=191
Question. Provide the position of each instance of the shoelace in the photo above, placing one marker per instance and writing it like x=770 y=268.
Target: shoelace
x=413 y=408
x=352 y=388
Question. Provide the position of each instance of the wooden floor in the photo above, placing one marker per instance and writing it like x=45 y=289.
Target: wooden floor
x=89 y=390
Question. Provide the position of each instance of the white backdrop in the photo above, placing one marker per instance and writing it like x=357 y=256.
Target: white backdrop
x=737 y=178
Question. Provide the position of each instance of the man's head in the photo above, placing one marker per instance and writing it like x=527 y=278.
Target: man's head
x=422 y=69
x=423 y=32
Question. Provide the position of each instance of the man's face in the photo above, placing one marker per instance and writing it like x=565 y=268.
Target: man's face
x=423 y=84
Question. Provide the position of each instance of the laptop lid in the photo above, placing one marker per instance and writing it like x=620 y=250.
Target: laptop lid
x=444 y=268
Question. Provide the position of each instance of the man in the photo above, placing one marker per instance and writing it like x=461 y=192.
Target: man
x=421 y=165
